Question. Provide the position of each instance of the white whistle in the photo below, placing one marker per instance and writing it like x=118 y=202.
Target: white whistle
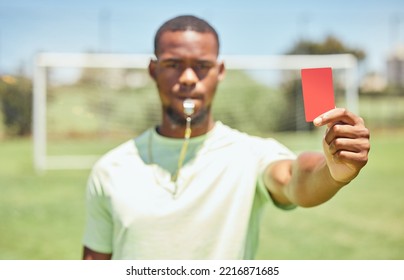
x=189 y=107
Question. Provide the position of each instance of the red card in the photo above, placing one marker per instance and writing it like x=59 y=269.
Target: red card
x=318 y=92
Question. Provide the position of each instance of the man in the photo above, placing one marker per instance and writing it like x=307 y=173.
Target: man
x=161 y=196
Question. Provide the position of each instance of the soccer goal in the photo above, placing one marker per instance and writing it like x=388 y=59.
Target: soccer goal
x=110 y=96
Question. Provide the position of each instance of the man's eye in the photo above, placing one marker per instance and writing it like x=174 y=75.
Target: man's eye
x=203 y=66
x=172 y=64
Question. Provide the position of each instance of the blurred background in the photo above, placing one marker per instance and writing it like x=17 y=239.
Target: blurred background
x=88 y=110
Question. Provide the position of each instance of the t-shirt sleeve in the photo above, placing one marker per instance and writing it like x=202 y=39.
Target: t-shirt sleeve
x=269 y=151
x=98 y=228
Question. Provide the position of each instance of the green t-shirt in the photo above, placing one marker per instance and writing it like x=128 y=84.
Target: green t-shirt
x=164 y=151
x=215 y=214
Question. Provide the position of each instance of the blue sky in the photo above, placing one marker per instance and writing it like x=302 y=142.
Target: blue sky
x=245 y=27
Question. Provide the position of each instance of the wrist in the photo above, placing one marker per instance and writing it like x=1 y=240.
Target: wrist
x=336 y=182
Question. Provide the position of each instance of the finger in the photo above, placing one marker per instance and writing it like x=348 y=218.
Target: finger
x=345 y=131
x=336 y=115
x=348 y=145
x=355 y=160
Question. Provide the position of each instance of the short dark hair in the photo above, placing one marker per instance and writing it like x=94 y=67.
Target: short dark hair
x=183 y=23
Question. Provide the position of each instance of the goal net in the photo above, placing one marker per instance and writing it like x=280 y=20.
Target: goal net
x=85 y=104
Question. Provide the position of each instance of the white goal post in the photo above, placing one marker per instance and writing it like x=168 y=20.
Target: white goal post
x=45 y=61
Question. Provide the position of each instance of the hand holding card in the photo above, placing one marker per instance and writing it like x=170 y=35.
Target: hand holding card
x=318 y=92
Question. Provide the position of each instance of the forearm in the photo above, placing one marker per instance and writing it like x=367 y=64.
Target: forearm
x=311 y=182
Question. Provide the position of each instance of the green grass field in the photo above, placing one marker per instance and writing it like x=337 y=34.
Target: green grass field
x=42 y=216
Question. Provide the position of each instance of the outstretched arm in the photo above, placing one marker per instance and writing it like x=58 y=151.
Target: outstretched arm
x=314 y=178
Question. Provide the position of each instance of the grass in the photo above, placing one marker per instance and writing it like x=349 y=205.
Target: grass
x=43 y=215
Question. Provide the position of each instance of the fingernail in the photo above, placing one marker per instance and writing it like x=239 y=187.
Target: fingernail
x=317 y=121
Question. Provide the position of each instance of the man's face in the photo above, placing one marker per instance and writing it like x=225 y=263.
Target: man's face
x=186 y=68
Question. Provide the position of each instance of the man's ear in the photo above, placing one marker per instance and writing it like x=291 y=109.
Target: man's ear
x=152 y=68
x=222 y=71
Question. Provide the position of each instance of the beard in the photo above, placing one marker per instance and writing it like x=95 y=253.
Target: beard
x=180 y=119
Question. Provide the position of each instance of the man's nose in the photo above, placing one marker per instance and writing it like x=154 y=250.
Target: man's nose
x=188 y=77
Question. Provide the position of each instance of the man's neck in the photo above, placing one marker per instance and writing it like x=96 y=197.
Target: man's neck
x=173 y=130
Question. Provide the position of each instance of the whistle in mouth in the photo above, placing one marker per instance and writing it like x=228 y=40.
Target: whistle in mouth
x=189 y=107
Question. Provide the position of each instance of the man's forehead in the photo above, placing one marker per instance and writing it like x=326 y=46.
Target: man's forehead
x=187 y=43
